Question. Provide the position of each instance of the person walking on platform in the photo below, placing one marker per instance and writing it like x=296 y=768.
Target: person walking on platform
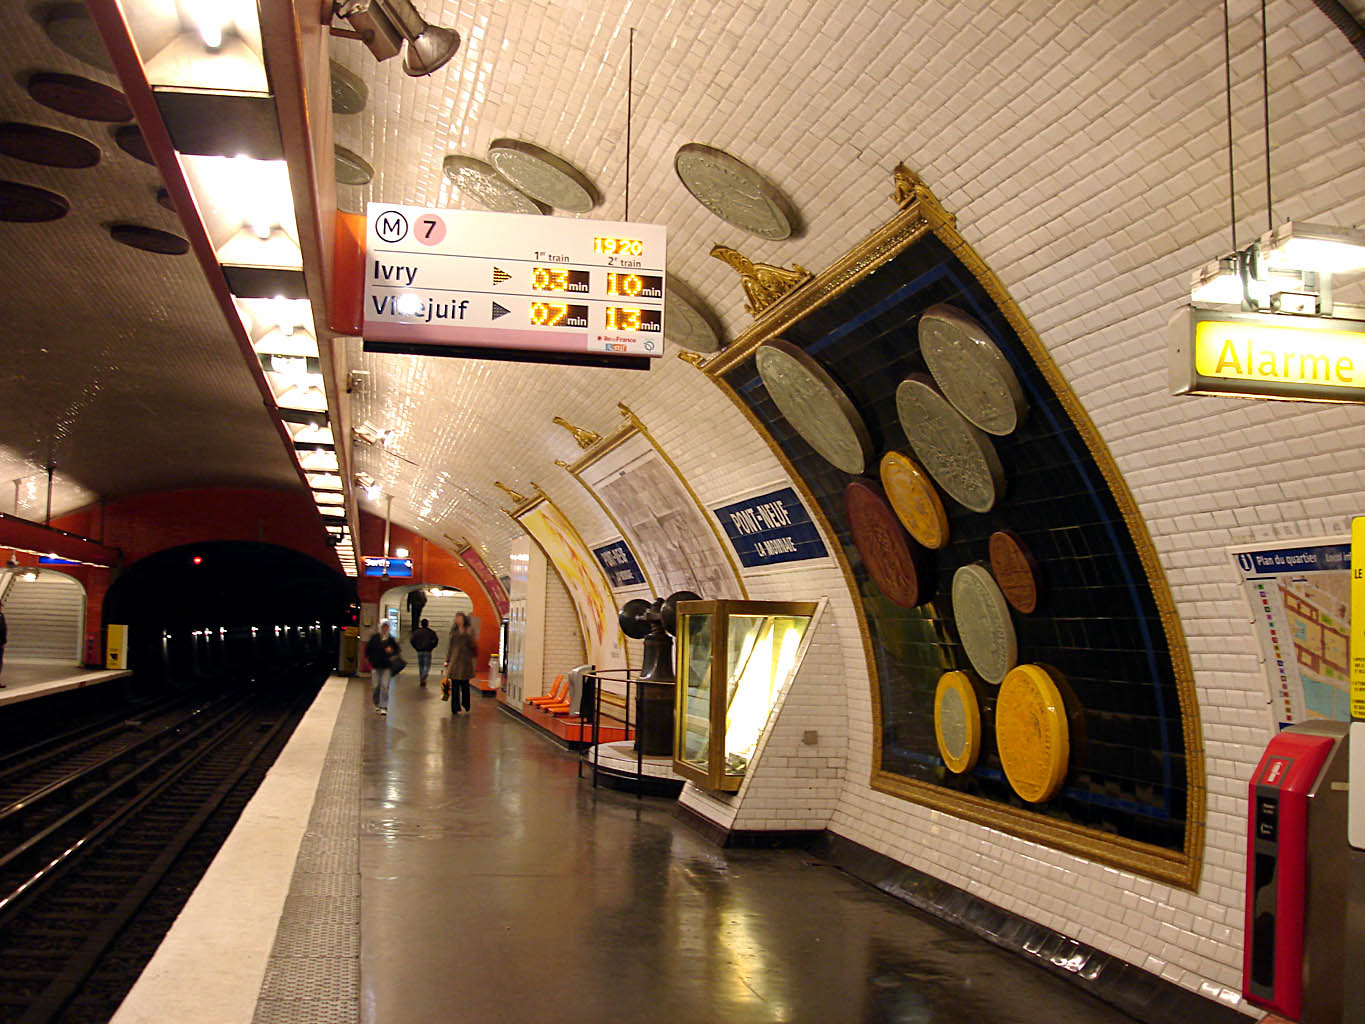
x=417 y=600
x=379 y=651
x=4 y=638
x=460 y=662
x=424 y=641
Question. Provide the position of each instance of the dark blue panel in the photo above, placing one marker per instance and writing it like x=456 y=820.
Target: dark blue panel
x=619 y=563
x=770 y=529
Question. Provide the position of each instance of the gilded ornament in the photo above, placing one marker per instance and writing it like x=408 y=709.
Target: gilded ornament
x=520 y=499
x=585 y=438
x=697 y=359
x=763 y=283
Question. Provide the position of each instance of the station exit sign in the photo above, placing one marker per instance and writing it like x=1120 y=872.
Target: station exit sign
x=1266 y=355
x=513 y=286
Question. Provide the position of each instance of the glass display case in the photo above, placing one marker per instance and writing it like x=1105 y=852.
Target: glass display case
x=734 y=657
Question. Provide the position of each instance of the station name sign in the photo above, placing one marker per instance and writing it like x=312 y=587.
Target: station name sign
x=1267 y=355
x=513 y=286
x=378 y=565
x=770 y=529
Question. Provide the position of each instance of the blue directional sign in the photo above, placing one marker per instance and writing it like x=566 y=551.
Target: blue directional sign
x=620 y=565
x=378 y=565
x=770 y=529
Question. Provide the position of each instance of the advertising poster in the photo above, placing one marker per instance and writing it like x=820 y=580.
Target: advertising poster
x=1300 y=598
x=582 y=576
x=661 y=521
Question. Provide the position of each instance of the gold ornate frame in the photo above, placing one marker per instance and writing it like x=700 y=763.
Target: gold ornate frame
x=631 y=427
x=921 y=214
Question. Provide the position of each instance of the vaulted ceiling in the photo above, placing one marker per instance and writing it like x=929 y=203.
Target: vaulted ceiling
x=1082 y=147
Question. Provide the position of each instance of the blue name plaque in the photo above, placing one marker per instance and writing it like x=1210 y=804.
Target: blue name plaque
x=619 y=563
x=770 y=529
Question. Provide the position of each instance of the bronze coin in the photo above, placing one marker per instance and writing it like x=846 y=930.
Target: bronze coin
x=886 y=551
x=1015 y=569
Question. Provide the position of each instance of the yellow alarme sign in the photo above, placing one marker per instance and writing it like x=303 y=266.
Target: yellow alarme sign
x=1283 y=354
x=1358 y=617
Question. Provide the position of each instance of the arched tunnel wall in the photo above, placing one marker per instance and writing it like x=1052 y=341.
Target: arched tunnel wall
x=143 y=524
x=1091 y=198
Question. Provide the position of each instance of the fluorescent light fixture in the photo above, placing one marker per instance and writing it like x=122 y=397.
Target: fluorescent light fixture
x=329 y=498
x=299 y=343
x=302 y=399
x=1217 y=283
x=247 y=208
x=319 y=460
x=310 y=433
x=1320 y=248
x=324 y=481
x=372 y=492
x=287 y=316
x=202 y=44
x=400 y=552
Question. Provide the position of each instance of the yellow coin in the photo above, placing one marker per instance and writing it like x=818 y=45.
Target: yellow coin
x=957 y=722
x=913 y=495
x=1031 y=733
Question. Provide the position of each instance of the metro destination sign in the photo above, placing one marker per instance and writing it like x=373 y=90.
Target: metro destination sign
x=512 y=286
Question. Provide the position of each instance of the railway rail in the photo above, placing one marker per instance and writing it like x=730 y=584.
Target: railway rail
x=104 y=833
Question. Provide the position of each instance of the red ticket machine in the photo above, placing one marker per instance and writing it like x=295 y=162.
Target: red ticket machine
x=1297 y=874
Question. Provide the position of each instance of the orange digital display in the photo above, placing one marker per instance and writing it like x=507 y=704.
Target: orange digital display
x=618 y=246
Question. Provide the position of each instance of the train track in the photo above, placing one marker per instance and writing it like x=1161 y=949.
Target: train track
x=104 y=835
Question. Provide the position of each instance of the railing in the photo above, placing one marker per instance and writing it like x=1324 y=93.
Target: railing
x=630 y=679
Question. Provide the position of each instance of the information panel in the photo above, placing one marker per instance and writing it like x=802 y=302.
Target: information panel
x=619 y=563
x=444 y=280
x=1300 y=604
x=769 y=529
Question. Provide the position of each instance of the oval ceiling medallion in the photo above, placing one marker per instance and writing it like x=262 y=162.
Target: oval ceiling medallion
x=79 y=97
x=349 y=91
x=542 y=175
x=351 y=168
x=482 y=183
x=130 y=140
x=149 y=239
x=29 y=205
x=735 y=192
x=688 y=321
x=72 y=31
x=47 y=146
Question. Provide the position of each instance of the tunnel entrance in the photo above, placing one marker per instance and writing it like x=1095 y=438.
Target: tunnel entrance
x=229 y=609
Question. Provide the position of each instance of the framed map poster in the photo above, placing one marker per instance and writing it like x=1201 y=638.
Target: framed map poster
x=673 y=537
x=1300 y=599
x=583 y=579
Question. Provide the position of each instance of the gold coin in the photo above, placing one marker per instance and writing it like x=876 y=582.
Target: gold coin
x=957 y=722
x=913 y=495
x=1031 y=733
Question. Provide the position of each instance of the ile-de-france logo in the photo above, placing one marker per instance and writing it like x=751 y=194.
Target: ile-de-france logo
x=391 y=226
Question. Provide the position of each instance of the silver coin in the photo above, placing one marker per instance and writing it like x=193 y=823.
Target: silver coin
x=952 y=722
x=734 y=192
x=687 y=320
x=542 y=175
x=983 y=623
x=351 y=168
x=814 y=405
x=960 y=458
x=973 y=373
x=486 y=186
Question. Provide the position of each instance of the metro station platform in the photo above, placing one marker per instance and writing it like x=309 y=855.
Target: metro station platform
x=25 y=680
x=424 y=867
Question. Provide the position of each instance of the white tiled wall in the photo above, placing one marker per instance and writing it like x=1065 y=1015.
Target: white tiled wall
x=1081 y=146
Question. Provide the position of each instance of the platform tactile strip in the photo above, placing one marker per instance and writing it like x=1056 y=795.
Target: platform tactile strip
x=314 y=969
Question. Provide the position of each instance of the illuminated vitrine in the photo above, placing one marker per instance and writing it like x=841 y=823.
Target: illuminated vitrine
x=734 y=658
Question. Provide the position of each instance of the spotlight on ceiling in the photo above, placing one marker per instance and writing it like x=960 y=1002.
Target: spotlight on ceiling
x=383 y=25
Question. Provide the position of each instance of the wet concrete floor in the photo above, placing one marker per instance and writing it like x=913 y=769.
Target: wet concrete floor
x=496 y=886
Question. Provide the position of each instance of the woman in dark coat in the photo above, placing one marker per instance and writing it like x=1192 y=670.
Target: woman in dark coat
x=460 y=662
